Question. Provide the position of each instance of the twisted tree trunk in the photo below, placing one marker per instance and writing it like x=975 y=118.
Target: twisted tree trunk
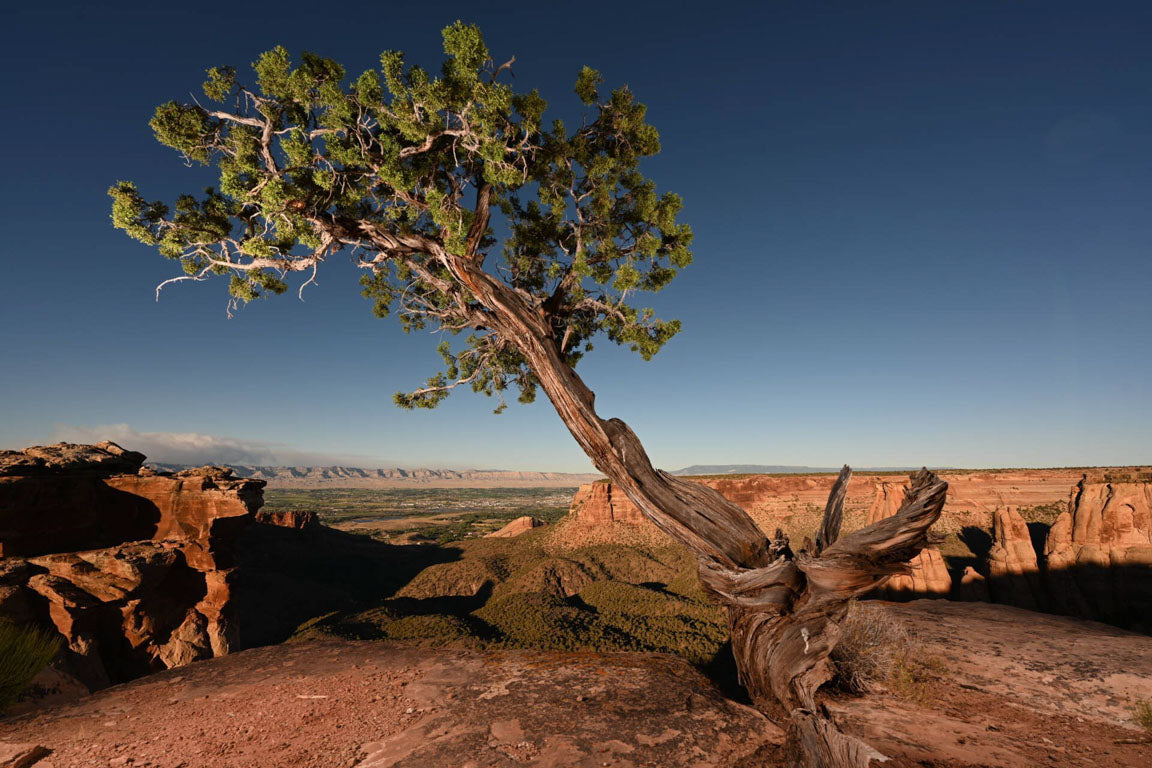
x=784 y=609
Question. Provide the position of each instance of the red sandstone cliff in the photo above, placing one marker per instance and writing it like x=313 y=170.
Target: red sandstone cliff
x=1099 y=553
x=1097 y=562
x=131 y=568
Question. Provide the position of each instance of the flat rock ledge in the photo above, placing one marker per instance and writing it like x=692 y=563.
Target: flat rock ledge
x=369 y=705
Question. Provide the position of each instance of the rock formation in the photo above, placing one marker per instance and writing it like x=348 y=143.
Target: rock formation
x=516 y=527
x=597 y=504
x=1097 y=562
x=132 y=568
x=1013 y=571
x=972 y=587
x=1099 y=554
x=298 y=519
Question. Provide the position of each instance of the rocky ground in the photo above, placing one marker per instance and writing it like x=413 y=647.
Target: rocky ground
x=1018 y=689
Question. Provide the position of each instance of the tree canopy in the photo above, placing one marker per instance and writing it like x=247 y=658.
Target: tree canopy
x=407 y=170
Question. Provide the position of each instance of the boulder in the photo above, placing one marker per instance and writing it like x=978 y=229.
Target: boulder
x=516 y=527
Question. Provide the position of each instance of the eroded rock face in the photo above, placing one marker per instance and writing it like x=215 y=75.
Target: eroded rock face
x=298 y=519
x=1013 y=570
x=1099 y=554
x=1096 y=564
x=132 y=568
x=516 y=527
x=205 y=508
x=602 y=504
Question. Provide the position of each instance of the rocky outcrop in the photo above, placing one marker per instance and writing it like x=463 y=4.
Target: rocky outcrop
x=131 y=567
x=1021 y=689
x=601 y=504
x=516 y=527
x=972 y=587
x=298 y=519
x=104 y=458
x=332 y=704
x=1013 y=570
x=1099 y=554
x=928 y=574
x=1097 y=562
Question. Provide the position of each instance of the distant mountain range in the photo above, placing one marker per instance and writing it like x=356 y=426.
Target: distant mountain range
x=776 y=469
x=356 y=477
x=395 y=477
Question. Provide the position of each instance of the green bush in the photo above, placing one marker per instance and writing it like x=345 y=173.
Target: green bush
x=24 y=651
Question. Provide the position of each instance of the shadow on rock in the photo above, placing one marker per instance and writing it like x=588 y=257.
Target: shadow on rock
x=286 y=577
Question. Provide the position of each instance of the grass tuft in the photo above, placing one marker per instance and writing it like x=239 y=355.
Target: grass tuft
x=875 y=651
x=24 y=652
x=1142 y=714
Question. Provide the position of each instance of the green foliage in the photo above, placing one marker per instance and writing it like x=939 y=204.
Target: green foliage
x=392 y=166
x=24 y=651
x=519 y=593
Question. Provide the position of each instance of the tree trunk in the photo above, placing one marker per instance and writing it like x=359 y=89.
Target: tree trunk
x=784 y=609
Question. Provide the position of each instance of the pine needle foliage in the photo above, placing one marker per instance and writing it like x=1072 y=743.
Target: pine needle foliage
x=400 y=167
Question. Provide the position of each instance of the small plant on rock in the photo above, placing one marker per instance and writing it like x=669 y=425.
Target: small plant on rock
x=1142 y=714
x=875 y=651
x=24 y=652
x=871 y=642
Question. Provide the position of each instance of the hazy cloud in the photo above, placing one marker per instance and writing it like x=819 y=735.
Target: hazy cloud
x=196 y=448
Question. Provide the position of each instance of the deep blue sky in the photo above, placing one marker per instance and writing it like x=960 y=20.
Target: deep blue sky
x=922 y=236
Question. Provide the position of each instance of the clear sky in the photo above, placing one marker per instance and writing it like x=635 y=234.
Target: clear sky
x=923 y=235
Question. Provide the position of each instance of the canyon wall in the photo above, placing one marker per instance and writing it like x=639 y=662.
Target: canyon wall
x=133 y=569
x=1085 y=552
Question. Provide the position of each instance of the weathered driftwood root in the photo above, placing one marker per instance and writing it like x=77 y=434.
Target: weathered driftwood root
x=785 y=618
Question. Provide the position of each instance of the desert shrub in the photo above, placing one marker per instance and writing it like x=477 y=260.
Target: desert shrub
x=658 y=620
x=546 y=621
x=24 y=652
x=432 y=630
x=871 y=643
x=916 y=674
x=875 y=651
x=1142 y=714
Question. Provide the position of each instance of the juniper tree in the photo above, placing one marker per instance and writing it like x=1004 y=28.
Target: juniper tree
x=524 y=239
